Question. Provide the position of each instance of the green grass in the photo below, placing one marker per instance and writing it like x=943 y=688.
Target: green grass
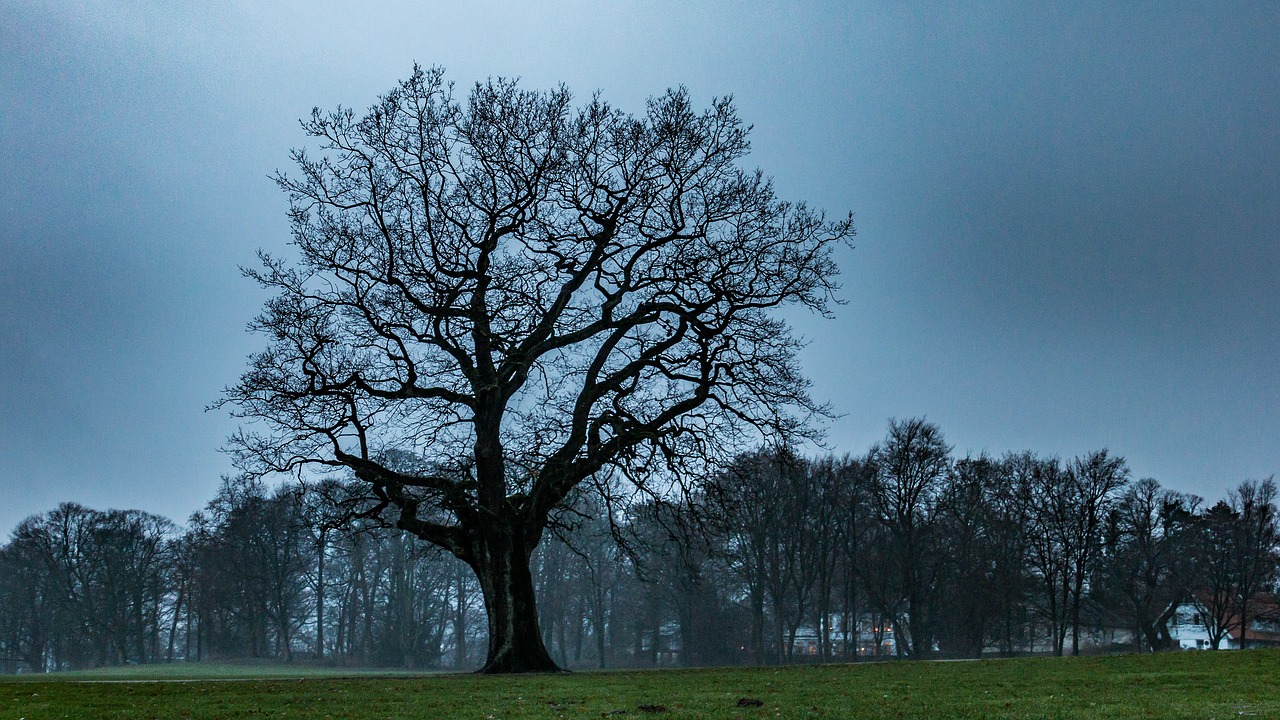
x=246 y=670
x=1187 y=685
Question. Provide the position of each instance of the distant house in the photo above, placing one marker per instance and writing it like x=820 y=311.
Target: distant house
x=1188 y=626
x=874 y=638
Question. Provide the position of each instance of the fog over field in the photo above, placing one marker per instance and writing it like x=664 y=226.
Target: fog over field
x=1067 y=218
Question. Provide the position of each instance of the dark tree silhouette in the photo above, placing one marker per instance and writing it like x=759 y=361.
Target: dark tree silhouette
x=1148 y=566
x=968 y=523
x=525 y=294
x=1049 y=540
x=1215 y=556
x=749 y=488
x=1257 y=533
x=912 y=466
x=1093 y=482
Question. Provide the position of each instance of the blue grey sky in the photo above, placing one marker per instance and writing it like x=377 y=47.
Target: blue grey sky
x=1068 y=216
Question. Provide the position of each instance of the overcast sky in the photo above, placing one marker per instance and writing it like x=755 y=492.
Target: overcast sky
x=1068 y=218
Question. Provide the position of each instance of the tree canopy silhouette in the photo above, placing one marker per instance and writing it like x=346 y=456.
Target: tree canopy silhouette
x=522 y=295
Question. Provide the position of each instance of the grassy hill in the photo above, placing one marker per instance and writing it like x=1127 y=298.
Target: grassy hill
x=1187 y=685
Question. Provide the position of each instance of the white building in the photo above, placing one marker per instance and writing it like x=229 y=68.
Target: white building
x=1189 y=626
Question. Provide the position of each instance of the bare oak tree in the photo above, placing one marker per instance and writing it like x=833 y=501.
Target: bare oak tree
x=525 y=294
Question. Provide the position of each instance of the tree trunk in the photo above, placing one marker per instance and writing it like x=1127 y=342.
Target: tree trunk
x=917 y=628
x=460 y=622
x=757 y=623
x=901 y=643
x=173 y=626
x=687 y=636
x=501 y=563
x=321 y=548
x=1244 y=622
x=1077 y=597
x=783 y=653
x=598 y=594
x=598 y=626
x=1075 y=627
x=824 y=621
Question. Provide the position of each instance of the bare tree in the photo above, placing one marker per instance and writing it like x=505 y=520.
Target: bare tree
x=1012 y=524
x=1048 y=546
x=255 y=557
x=131 y=557
x=1093 y=480
x=834 y=483
x=1254 y=543
x=31 y=599
x=791 y=560
x=911 y=466
x=749 y=486
x=971 y=600
x=592 y=572
x=1216 y=567
x=1148 y=559
x=855 y=523
x=323 y=510
x=526 y=294
x=93 y=586
x=780 y=510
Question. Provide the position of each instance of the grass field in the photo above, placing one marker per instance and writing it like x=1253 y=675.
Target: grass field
x=1187 y=685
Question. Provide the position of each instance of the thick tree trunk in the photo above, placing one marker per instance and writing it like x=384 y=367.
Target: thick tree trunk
x=501 y=562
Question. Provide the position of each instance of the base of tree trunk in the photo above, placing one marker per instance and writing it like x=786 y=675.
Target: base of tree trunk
x=501 y=563
x=510 y=664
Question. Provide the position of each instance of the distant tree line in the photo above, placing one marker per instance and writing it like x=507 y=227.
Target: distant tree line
x=905 y=550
